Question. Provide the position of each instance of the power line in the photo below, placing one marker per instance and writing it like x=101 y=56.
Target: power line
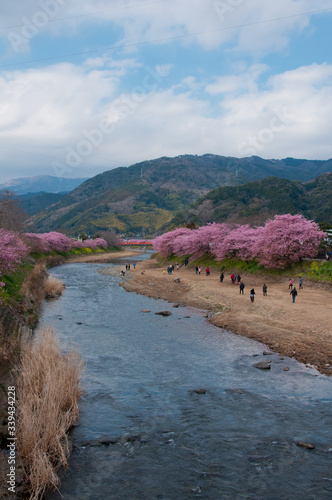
x=17 y=150
x=165 y=39
x=91 y=14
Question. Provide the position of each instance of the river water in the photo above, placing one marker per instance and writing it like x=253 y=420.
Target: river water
x=145 y=433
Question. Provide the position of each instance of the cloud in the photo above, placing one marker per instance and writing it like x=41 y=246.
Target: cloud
x=45 y=113
x=246 y=80
x=252 y=26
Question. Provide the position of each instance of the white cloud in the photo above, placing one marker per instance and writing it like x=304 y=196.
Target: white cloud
x=44 y=114
x=246 y=80
x=255 y=26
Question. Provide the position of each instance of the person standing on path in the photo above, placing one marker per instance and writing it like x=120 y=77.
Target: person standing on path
x=300 y=282
x=134 y=264
x=290 y=284
x=264 y=290
x=252 y=295
x=242 y=285
x=196 y=269
x=221 y=277
x=293 y=293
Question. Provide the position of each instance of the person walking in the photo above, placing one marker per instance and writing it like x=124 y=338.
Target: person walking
x=293 y=293
x=242 y=285
x=300 y=282
x=196 y=269
x=252 y=295
x=207 y=271
x=290 y=284
x=221 y=277
x=134 y=264
x=199 y=270
x=264 y=290
x=233 y=278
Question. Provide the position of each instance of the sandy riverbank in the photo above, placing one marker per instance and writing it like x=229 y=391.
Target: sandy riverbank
x=103 y=257
x=302 y=330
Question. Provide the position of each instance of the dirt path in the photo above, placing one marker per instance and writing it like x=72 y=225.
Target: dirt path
x=302 y=330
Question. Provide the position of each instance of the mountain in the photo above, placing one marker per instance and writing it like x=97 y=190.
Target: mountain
x=33 y=203
x=257 y=201
x=143 y=198
x=42 y=183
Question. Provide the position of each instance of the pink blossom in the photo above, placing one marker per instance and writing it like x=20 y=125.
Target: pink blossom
x=238 y=243
x=12 y=251
x=164 y=244
x=287 y=239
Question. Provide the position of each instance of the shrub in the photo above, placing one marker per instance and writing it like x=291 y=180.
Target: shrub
x=53 y=287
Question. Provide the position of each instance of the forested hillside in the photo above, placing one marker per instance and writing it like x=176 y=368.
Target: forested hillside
x=254 y=202
x=143 y=198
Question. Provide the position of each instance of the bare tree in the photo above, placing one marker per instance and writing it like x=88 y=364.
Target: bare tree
x=111 y=237
x=12 y=217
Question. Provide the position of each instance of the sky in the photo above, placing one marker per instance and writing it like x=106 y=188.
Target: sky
x=91 y=85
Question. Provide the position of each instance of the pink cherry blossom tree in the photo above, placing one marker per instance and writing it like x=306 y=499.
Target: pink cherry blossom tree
x=287 y=239
x=96 y=243
x=12 y=251
x=201 y=241
x=238 y=243
x=36 y=242
x=164 y=244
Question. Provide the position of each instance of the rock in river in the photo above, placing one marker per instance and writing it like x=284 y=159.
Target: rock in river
x=164 y=313
x=263 y=365
x=302 y=444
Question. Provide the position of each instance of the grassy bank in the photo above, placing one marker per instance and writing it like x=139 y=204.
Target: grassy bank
x=28 y=285
x=317 y=271
x=46 y=380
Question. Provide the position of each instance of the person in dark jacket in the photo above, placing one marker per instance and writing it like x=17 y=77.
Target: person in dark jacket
x=221 y=277
x=252 y=295
x=264 y=289
x=242 y=285
x=293 y=293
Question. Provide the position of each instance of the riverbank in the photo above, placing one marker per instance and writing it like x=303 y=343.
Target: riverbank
x=103 y=257
x=26 y=291
x=301 y=330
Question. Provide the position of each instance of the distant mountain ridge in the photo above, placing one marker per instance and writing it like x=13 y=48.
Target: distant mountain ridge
x=42 y=183
x=143 y=199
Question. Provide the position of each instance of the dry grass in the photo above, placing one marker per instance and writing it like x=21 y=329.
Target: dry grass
x=9 y=349
x=33 y=286
x=48 y=390
x=53 y=287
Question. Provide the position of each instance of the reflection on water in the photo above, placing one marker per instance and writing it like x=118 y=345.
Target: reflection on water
x=145 y=433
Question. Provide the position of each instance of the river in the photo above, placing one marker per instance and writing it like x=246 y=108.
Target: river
x=144 y=433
